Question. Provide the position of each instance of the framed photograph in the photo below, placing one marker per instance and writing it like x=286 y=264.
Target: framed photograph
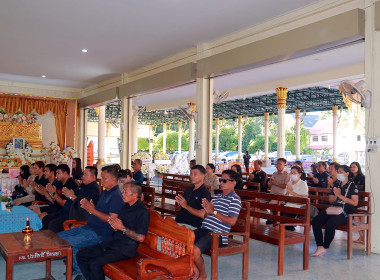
x=19 y=143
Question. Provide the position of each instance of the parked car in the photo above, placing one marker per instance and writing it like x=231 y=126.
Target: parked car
x=229 y=156
x=273 y=157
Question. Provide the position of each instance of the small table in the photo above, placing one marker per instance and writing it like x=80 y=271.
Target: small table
x=45 y=246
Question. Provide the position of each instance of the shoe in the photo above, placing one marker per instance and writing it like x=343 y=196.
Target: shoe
x=291 y=228
x=79 y=277
x=269 y=222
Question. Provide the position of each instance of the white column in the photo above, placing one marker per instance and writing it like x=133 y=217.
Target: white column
x=101 y=134
x=125 y=133
x=179 y=136
x=372 y=74
x=135 y=129
x=83 y=136
x=204 y=123
x=164 y=138
x=108 y=135
x=335 y=130
x=298 y=134
x=266 y=134
x=240 y=136
x=191 y=138
x=281 y=107
x=216 y=139
x=151 y=139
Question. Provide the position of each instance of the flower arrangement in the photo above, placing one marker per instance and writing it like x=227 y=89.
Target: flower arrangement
x=141 y=155
x=54 y=150
x=18 y=117
x=161 y=156
x=70 y=152
x=62 y=158
x=5 y=195
x=161 y=168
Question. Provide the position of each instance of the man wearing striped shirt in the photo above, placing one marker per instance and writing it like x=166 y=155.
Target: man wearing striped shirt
x=220 y=214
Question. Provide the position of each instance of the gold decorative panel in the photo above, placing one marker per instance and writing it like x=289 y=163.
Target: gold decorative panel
x=31 y=132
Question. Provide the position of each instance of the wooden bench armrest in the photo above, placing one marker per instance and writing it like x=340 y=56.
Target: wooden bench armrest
x=360 y=214
x=174 y=267
x=68 y=224
x=39 y=202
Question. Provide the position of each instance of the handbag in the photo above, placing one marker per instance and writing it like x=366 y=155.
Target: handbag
x=336 y=210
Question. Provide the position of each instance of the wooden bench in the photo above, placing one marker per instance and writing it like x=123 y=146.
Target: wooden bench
x=170 y=188
x=252 y=186
x=148 y=196
x=319 y=198
x=172 y=259
x=234 y=246
x=276 y=234
x=176 y=177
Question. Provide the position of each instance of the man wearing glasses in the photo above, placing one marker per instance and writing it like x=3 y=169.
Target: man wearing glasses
x=219 y=215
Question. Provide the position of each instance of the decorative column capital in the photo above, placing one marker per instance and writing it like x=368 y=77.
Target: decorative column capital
x=335 y=109
x=298 y=112
x=179 y=123
x=281 y=97
x=240 y=117
x=266 y=116
x=216 y=121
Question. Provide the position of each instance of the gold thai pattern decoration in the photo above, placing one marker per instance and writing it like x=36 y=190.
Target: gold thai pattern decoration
x=31 y=132
x=282 y=94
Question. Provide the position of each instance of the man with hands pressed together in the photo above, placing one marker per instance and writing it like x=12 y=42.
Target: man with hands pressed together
x=220 y=214
x=97 y=229
x=192 y=213
x=130 y=229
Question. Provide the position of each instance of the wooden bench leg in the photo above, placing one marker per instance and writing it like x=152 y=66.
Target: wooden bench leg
x=306 y=250
x=214 y=267
x=349 y=244
x=245 y=264
x=281 y=245
x=368 y=241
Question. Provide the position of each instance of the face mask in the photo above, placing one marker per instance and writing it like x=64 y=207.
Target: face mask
x=294 y=177
x=341 y=177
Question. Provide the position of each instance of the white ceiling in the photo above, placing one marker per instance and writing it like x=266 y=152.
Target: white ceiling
x=45 y=37
x=335 y=58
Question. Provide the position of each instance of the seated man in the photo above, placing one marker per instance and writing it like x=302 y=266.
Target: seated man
x=259 y=175
x=130 y=229
x=137 y=174
x=320 y=178
x=220 y=214
x=54 y=195
x=97 y=229
x=192 y=212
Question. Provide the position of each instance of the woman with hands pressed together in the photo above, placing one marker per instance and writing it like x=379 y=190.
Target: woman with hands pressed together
x=344 y=199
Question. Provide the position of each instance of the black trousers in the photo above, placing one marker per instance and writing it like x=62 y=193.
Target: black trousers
x=92 y=259
x=246 y=167
x=331 y=222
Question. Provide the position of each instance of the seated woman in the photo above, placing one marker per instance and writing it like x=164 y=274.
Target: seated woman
x=344 y=199
x=358 y=178
x=22 y=179
x=211 y=179
x=77 y=170
x=296 y=187
x=300 y=165
x=239 y=182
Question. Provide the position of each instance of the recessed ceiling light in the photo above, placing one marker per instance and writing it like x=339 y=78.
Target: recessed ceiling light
x=84 y=50
x=43 y=76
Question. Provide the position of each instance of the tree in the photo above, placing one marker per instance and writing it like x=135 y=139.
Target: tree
x=171 y=142
x=290 y=136
x=252 y=129
x=259 y=144
x=143 y=144
x=228 y=139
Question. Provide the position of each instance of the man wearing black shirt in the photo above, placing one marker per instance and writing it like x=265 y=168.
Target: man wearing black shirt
x=130 y=229
x=259 y=176
x=191 y=201
x=320 y=178
x=137 y=174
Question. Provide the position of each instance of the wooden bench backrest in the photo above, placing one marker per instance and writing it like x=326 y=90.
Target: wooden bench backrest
x=244 y=218
x=319 y=198
x=252 y=186
x=176 y=177
x=176 y=241
x=149 y=196
x=261 y=208
x=146 y=182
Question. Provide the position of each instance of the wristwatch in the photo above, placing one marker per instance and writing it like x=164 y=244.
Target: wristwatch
x=215 y=212
x=71 y=197
x=124 y=230
x=53 y=194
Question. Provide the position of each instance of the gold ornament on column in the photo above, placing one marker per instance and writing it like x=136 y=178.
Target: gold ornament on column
x=96 y=109
x=281 y=97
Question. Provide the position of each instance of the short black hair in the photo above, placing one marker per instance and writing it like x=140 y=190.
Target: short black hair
x=282 y=159
x=345 y=168
x=259 y=162
x=193 y=161
x=212 y=166
x=64 y=168
x=40 y=164
x=123 y=173
x=336 y=165
x=238 y=168
x=52 y=167
x=299 y=170
x=323 y=163
x=93 y=170
x=200 y=168
x=112 y=170
x=232 y=174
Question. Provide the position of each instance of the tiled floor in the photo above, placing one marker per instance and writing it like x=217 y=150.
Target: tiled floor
x=262 y=265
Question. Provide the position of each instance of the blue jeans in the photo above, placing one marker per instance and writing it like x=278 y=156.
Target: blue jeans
x=80 y=237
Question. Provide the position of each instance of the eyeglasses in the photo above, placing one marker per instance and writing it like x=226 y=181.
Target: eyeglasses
x=226 y=180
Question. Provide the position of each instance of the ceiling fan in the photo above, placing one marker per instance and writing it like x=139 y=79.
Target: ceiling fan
x=356 y=92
